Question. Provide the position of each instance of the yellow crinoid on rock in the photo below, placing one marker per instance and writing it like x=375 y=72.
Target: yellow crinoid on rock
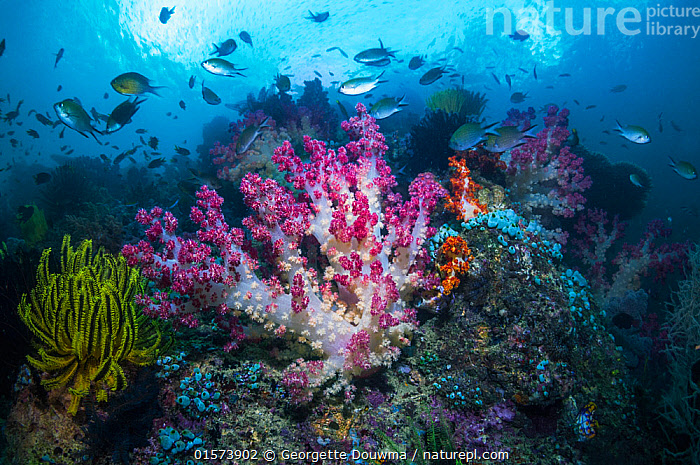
x=459 y=101
x=87 y=322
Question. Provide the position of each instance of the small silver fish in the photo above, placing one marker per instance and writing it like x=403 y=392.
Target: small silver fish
x=518 y=97
x=73 y=115
x=374 y=54
x=416 y=62
x=432 y=76
x=248 y=136
x=165 y=14
x=283 y=83
x=122 y=115
x=318 y=17
x=221 y=67
x=508 y=137
x=227 y=47
x=386 y=107
x=245 y=37
x=634 y=179
x=361 y=85
x=683 y=169
x=636 y=134
x=209 y=96
x=470 y=134
x=59 y=55
x=338 y=49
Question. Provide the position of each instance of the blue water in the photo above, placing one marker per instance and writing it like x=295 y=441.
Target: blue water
x=103 y=39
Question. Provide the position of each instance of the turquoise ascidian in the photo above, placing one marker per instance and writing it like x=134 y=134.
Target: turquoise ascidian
x=511 y=249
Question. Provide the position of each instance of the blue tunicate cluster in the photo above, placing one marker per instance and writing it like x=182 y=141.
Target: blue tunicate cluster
x=170 y=365
x=577 y=289
x=509 y=224
x=24 y=378
x=543 y=372
x=439 y=238
x=458 y=392
x=429 y=361
x=249 y=376
x=174 y=442
x=199 y=394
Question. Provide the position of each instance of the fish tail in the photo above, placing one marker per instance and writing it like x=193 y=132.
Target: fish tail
x=215 y=51
x=673 y=162
x=152 y=90
x=527 y=133
x=619 y=126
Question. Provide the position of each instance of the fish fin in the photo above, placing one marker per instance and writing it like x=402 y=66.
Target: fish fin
x=152 y=90
x=172 y=10
x=381 y=45
x=490 y=126
x=380 y=75
x=527 y=133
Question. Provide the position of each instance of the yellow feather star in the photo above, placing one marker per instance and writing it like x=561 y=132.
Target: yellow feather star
x=87 y=323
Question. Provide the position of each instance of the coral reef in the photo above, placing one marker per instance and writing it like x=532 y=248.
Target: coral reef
x=680 y=405
x=351 y=306
x=314 y=105
x=462 y=202
x=257 y=159
x=544 y=175
x=596 y=237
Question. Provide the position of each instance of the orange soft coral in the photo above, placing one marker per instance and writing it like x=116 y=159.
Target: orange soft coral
x=463 y=202
x=456 y=255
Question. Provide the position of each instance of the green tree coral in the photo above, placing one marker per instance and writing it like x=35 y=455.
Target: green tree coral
x=87 y=322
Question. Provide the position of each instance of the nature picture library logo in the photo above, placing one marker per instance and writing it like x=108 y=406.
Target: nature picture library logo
x=658 y=20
